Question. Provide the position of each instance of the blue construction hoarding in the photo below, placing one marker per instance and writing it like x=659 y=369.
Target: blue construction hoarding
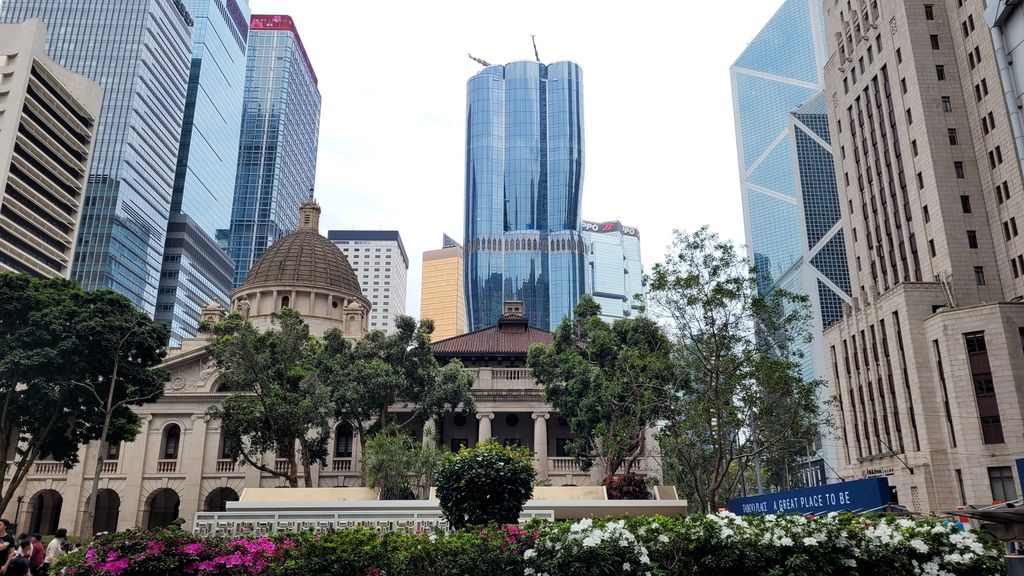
x=853 y=496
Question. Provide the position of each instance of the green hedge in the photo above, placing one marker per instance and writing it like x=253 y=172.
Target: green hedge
x=721 y=544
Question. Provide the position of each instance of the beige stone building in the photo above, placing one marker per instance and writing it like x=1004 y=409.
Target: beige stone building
x=48 y=122
x=176 y=466
x=443 y=292
x=927 y=364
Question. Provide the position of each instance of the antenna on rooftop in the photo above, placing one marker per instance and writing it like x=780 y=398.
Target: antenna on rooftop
x=533 y=38
x=482 y=62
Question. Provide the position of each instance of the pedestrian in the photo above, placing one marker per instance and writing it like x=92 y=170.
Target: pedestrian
x=16 y=563
x=5 y=525
x=55 y=549
x=37 y=554
x=7 y=552
x=25 y=547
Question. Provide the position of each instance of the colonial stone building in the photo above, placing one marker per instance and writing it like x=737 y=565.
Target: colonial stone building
x=176 y=466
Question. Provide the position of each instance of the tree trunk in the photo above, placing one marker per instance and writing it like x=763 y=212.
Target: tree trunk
x=306 y=475
x=101 y=454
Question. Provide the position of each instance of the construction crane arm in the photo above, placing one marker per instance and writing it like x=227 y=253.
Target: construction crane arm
x=483 y=63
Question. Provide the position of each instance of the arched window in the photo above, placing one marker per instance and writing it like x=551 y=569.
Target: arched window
x=284 y=301
x=217 y=499
x=162 y=508
x=171 y=442
x=343 y=440
x=108 y=508
x=44 y=512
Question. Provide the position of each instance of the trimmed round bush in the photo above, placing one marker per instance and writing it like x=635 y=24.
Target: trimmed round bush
x=485 y=484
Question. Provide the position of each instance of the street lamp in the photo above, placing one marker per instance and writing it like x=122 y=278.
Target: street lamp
x=17 y=513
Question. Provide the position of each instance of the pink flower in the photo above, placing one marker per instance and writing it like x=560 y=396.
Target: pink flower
x=115 y=567
x=192 y=549
x=154 y=547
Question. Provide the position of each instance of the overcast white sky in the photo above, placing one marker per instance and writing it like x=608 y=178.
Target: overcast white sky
x=660 y=138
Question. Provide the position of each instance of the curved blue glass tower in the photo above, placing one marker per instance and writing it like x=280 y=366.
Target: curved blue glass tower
x=524 y=175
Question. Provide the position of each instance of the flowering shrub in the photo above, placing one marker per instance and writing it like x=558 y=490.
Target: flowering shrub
x=173 y=551
x=719 y=544
x=626 y=487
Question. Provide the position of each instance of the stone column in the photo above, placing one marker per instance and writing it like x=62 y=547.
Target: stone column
x=485 y=425
x=134 y=467
x=191 y=462
x=540 y=443
x=430 y=433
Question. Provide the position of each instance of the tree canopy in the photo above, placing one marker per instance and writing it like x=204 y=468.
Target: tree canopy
x=278 y=402
x=743 y=397
x=610 y=381
x=72 y=363
x=382 y=371
x=288 y=387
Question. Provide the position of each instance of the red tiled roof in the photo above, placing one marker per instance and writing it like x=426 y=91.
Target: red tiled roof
x=501 y=339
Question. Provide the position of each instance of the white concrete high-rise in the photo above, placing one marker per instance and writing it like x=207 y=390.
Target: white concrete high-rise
x=382 y=265
x=48 y=122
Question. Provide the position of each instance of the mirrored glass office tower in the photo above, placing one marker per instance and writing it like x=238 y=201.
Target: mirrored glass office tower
x=524 y=176
x=790 y=200
x=195 y=271
x=278 y=144
x=139 y=51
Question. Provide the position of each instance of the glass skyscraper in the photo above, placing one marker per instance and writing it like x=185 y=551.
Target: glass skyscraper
x=790 y=200
x=278 y=143
x=614 y=271
x=195 y=272
x=139 y=51
x=524 y=176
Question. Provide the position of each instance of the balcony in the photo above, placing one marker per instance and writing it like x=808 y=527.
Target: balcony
x=49 y=469
x=109 y=467
x=282 y=465
x=341 y=465
x=166 y=466
x=504 y=379
x=224 y=465
x=563 y=465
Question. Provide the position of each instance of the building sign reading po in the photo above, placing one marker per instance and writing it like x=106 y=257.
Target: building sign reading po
x=609 y=227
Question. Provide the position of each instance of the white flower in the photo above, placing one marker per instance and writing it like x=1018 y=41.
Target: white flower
x=581 y=525
x=529 y=571
x=590 y=542
x=530 y=553
x=645 y=559
x=785 y=541
x=919 y=545
x=850 y=562
x=810 y=541
x=433 y=537
x=662 y=538
x=726 y=532
x=905 y=523
x=626 y=567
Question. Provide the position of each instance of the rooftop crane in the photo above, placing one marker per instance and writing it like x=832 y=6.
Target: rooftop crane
x=482 y=62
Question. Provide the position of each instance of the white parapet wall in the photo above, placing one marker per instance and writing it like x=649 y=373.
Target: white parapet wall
x=280 y=510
